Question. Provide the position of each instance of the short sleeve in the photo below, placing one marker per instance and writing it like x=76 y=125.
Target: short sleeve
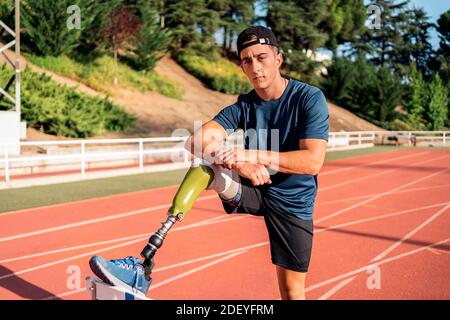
x=229 y=117
x=314 y=118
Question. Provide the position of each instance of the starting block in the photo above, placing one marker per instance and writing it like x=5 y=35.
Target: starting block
x=100 y=290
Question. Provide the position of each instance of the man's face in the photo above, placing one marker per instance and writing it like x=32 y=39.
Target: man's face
x=261 y=64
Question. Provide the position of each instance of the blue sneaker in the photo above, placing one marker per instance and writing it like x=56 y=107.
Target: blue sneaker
x=127 y=273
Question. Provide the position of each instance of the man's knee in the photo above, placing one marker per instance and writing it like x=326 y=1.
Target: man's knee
x=291 y=283
x=225 y=182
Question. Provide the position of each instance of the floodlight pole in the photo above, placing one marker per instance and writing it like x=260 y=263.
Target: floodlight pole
x=14 y=63
x=17 y=20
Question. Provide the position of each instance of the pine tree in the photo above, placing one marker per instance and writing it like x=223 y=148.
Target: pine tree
x=235 y=15
x=402 y=38
x=192 y=23
x=345 y=21
x=443 y=27
x=438 y=108
x=388 y=94
x=417 y=99
x=297 y=27
x=45 y=26
x=340 y=78
x=152 y=41
x=415 y=43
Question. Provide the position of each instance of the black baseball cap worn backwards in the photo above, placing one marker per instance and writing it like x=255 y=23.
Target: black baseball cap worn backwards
x=255 y=35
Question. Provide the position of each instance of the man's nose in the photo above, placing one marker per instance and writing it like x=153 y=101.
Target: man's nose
x=256 y=67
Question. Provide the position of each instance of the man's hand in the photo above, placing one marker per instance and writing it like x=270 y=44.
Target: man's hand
x=256 y=173
x=230 y=157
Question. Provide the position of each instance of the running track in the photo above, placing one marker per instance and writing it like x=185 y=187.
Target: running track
x=382 y=231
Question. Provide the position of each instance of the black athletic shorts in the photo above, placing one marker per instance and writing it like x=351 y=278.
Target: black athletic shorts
x=290 y=237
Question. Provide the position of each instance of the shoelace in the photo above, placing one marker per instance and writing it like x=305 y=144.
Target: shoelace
x=127 y=263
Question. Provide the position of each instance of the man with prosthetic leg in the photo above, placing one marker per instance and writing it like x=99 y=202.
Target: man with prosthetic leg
x=134 y=275
x=295 y=115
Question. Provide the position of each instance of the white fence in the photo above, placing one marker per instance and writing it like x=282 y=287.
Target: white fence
x=46 y=158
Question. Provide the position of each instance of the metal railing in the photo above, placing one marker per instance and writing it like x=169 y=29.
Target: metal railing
x=110 y=154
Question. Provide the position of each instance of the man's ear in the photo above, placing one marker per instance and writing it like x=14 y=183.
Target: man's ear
x=279 y=59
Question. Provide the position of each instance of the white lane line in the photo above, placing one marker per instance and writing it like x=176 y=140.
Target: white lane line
x=105 y=249
x=56 y=262
x=246 y=248
x=164 y=282
x=76 y=202
x=91 y=221
x=368 y=165
x=65 y=294
x=397 y=213
x=335 y=289
x=29 y=210
x=144 y=236
x=410 y=234
x=384 y=193
x=348 y=274
x=140 y=236
x=189 y=272
x=118 y=216
x=378 y=263
x=387 y=251
x=373 y=194
x=376 y=174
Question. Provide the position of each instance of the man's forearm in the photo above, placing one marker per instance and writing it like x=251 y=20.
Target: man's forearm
x=200 y=147
x=292 y=162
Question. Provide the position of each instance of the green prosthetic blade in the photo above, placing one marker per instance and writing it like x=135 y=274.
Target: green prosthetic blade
x=195 y=181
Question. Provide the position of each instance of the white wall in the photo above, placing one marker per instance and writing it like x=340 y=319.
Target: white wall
x=11 y=131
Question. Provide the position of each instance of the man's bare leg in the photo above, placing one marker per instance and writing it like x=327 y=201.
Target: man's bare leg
x=291 y=284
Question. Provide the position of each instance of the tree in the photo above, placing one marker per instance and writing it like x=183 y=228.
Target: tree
x=388 y=94
x=415 y=45
x=119 y=28
x=152 y=41
x=340 y=78
x=344 y=22
x=45 y=25
x=438 y=108
x=94 y=15
x=402 y=38
x=192 y=23
x=235 y=15
x=297 y=27
x=417 y=99
x=443 y=59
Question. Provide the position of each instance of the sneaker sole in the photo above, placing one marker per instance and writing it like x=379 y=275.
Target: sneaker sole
x=106 y=276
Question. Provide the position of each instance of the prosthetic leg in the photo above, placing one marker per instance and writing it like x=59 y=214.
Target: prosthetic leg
x=196 y=180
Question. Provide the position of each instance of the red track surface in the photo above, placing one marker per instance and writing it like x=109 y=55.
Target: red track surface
x=386 y=210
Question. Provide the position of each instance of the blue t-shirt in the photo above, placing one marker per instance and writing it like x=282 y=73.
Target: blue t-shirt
x=300 y=113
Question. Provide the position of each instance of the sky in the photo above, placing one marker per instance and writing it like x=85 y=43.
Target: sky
x=434 y=8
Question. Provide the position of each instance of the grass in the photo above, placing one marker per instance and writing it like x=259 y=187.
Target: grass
x=30 y=197
x=99 y=75
x=63 y=110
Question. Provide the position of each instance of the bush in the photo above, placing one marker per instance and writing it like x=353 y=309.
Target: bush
x=45 y=25
x=61 y=110
x=99 y=74
x=369 y=91
x=216 y=72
